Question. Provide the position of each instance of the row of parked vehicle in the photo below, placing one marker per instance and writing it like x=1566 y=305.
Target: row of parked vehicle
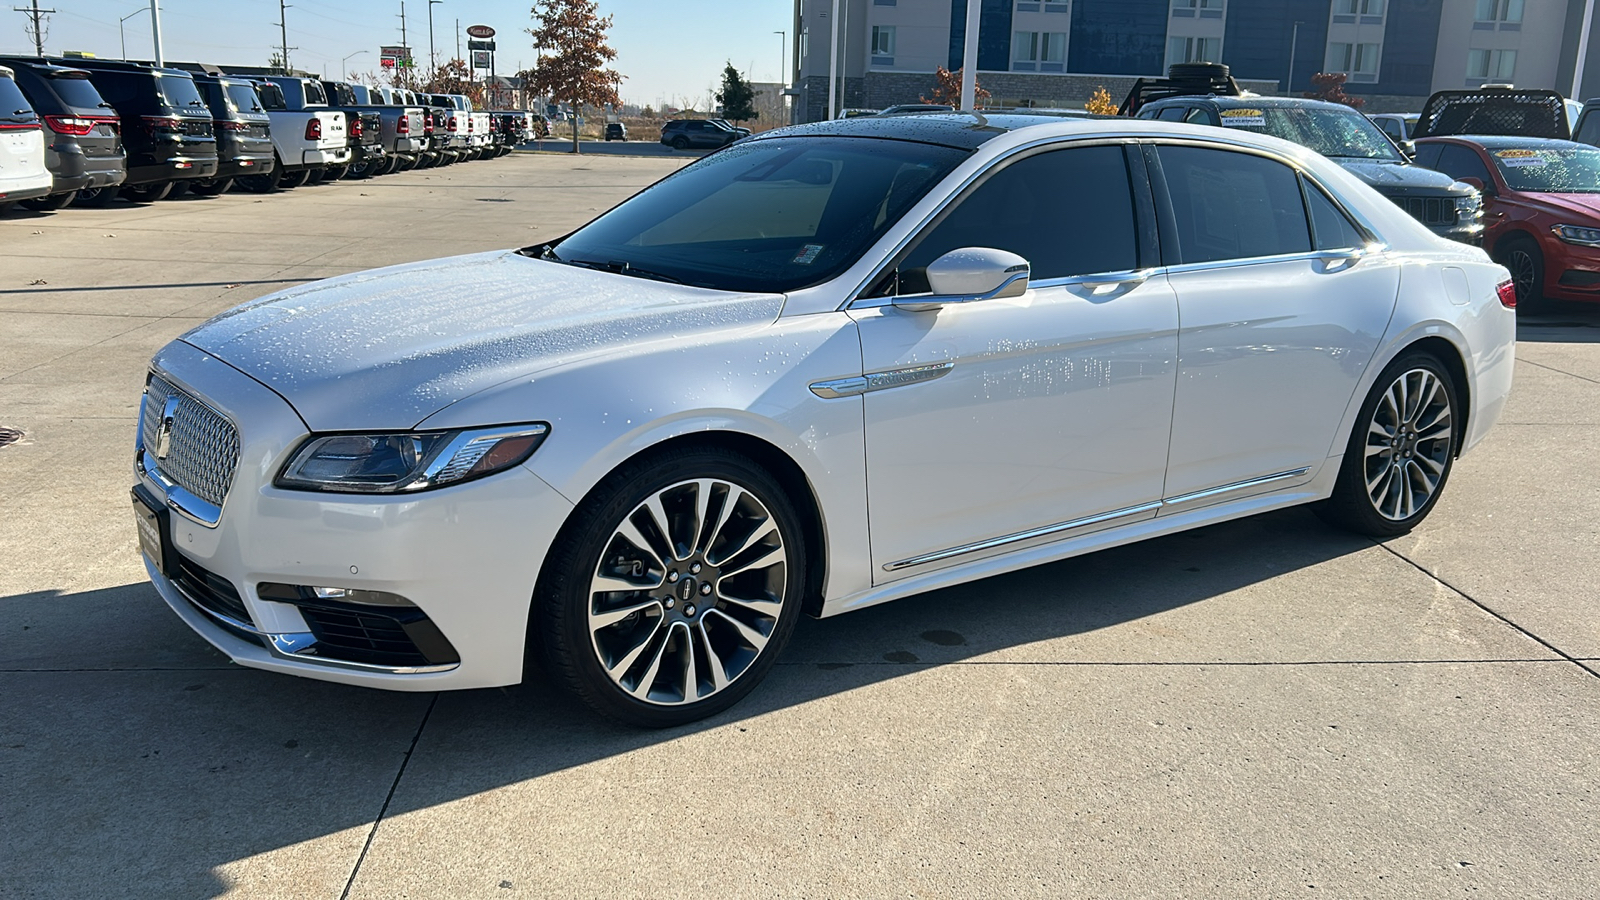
x=88 y=131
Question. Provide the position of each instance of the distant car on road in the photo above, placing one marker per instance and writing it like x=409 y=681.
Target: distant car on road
x=616 y=131
x=685 y=134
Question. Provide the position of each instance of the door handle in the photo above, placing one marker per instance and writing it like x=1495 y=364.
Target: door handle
x=1117 y=279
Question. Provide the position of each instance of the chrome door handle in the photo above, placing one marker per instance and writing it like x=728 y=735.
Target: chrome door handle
x=1117 y=279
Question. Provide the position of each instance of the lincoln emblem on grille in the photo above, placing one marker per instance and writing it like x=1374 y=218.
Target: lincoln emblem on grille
x=164 y=427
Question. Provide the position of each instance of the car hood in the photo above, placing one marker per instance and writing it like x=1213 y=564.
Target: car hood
x=1396 y=178
x=1583 y=208
x=389 y=347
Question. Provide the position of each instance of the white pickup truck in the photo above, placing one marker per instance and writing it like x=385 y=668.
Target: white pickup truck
x=308 y=138
x=474 y=131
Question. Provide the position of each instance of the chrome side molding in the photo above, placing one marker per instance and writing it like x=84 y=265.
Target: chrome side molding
x=1212 y=493
x=880 y=381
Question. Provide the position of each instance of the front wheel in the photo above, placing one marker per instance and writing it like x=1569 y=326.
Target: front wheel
x=673 y=589
x=1400 y=452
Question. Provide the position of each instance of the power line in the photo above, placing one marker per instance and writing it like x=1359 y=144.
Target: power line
x=37 y=29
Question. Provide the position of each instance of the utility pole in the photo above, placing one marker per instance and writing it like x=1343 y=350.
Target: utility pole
x=458 y=39
x=283 y=26
x=155 y=30
x=37 y=28
x=433 y=56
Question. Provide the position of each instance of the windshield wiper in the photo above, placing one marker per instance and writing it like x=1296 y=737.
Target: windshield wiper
x=621 y=267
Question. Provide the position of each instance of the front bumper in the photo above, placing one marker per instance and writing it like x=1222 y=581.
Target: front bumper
x=466 y=557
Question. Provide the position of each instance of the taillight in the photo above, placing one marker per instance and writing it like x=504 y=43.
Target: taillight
x=469 y=125
x=355 y=127
x=427 y=125
x=314 y=129
x=1507 y=290
x=404 y=127
x=19 y=126
x=163 y=124
x=70 y=125
x=451 y=125
x=234 y=126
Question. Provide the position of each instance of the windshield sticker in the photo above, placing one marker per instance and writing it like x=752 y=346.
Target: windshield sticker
x=808 y=254
x=1517 y=159
x=1244 y=118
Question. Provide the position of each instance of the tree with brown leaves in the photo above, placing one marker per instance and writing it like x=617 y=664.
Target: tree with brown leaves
x=1101 y=104
x=1330 y=87
x=453 y=77
x=569 y=37
x=947 y=90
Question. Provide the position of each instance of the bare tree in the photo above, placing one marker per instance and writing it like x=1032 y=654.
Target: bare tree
x=569 y=37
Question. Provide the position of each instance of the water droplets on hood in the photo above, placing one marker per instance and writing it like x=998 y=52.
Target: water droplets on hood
x=391 y=346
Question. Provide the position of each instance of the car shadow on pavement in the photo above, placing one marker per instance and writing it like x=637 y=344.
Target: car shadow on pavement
x=133 y=753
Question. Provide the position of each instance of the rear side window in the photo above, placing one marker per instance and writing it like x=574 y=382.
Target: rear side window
x=314 y=94
x=76 y=91
x=1233 y=205
x=1332 y=230
x=1035 y=208
x=271 y=97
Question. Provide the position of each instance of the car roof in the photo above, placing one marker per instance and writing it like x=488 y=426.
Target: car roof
x=46 y=66
x=962 y=130
x=1505 y=142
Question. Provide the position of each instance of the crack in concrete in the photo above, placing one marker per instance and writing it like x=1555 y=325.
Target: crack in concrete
x=373 y=832
x=1539 y=365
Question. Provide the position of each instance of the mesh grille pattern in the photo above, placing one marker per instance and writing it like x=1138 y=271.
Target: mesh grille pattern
x=358 y=637
x=204 y=448
x=1518 y=113
x=1430 y=210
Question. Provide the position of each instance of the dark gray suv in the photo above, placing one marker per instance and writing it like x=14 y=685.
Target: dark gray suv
x=684 y=134
x=83 y=141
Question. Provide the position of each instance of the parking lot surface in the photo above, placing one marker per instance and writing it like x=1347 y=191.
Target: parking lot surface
x=1263 y=708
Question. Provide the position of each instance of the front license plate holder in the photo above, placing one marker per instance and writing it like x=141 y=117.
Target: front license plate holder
x=151 y=522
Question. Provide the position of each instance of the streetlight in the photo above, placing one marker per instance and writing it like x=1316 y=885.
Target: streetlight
x=343 y=75
x=433 y=57
x=783 y=75
x=122 y=33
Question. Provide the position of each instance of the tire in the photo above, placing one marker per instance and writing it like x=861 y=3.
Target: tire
x=334 y=173
x=390 y=163
x=146 y=193
x=691 y=613
x=315 y=176
x=6 y=207
x=98 y=198
x=52 y=202
x=1199 y=71
x=1525 y=260
x=362 y=169
x=1397 y=445
x=179 y=188
x=291 y=180
x=680 y=143
x=211 y=187
x=259 y=184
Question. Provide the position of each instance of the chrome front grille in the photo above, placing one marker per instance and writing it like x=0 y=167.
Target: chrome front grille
x=202 y=449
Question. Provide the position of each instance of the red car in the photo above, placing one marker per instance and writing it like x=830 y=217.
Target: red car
x=1541 y=201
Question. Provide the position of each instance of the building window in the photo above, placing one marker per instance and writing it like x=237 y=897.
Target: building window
x=1491 y=65
x=1055 y=6
x=1355 y=60
x=1359 y=7
x=1193 y=49
x=1038 y=51
x=1499 y=11
x=1197 y=4
x=883 y=40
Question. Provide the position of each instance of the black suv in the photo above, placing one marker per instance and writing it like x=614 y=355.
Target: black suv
x=1204 y=94
x=83 y=149
x=682 y=134
x=166 y=126
x=243 y=129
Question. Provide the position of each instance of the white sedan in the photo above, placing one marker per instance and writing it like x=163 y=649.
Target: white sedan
x=832 y=366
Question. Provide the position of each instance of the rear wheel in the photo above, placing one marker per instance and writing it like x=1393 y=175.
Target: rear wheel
x=211 y=187
x=1400 y=452
x=179 y=188
x=259 y=184
x=673 y=589
x=680 y=143
x=6 y=207
x=52 y=202
x=289 y=180
x=334 y=173
x=146 y=193
x=1526 y=261
x=97 y=197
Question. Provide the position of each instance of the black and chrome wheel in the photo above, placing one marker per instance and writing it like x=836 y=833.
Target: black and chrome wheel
x=97 y=197
x=1400 y=452
x=52 y=202
x=210 y=187
x=291 y=180
x=146 y=193
x=334 y=173
x=1525 y=261
x=674 y=588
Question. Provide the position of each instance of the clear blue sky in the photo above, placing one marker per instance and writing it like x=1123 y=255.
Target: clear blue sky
x=670 y=50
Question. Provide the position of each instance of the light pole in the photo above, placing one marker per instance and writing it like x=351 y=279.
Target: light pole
x=155 y=30
x=122 y=33
x=1294 y=44
x=433 y=57
x=343 y=73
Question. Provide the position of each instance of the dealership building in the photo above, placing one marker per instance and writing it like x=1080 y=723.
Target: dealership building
x=1055 y=53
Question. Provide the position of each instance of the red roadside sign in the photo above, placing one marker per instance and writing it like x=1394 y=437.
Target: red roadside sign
x=481 y=32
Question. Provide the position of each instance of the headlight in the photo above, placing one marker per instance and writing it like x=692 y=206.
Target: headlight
x=402 y=463
x=1577 y=234
x=1469 y=206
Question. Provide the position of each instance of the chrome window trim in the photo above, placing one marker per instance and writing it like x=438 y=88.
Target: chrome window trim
x=1312 y=256
x=1376 y=243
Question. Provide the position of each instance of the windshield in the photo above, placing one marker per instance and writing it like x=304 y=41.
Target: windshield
x=1558 y=171
x=773 y=215
x=1331 y=132
x=179 y=92
x=242 y=97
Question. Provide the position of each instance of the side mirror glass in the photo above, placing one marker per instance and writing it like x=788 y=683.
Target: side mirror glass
x=1477 y=185
x=971 y=274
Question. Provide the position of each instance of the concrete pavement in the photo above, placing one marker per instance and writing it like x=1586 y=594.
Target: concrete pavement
x=1264 y=708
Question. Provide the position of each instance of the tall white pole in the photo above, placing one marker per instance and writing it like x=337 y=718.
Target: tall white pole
x=155 y=29
x=1583 y=52
x=1294 y=44
x=833 y=66
x=969 y=57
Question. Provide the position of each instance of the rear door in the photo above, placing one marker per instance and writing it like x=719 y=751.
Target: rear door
x=1282 y=309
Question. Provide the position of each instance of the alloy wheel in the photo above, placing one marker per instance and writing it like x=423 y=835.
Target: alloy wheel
x=688 y=592
x=1408 y=445
x=1524 y=273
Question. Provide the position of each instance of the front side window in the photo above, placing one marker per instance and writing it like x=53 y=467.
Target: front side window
x=768 y=215
x=1039 y=208
x=1233 y=205
x=1492 y=65
x=1461 y=162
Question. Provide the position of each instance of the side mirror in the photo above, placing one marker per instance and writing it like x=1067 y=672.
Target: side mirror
x=971 y=274
x=1477 y=185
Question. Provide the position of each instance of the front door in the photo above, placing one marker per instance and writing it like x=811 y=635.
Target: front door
x=1029 y=419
